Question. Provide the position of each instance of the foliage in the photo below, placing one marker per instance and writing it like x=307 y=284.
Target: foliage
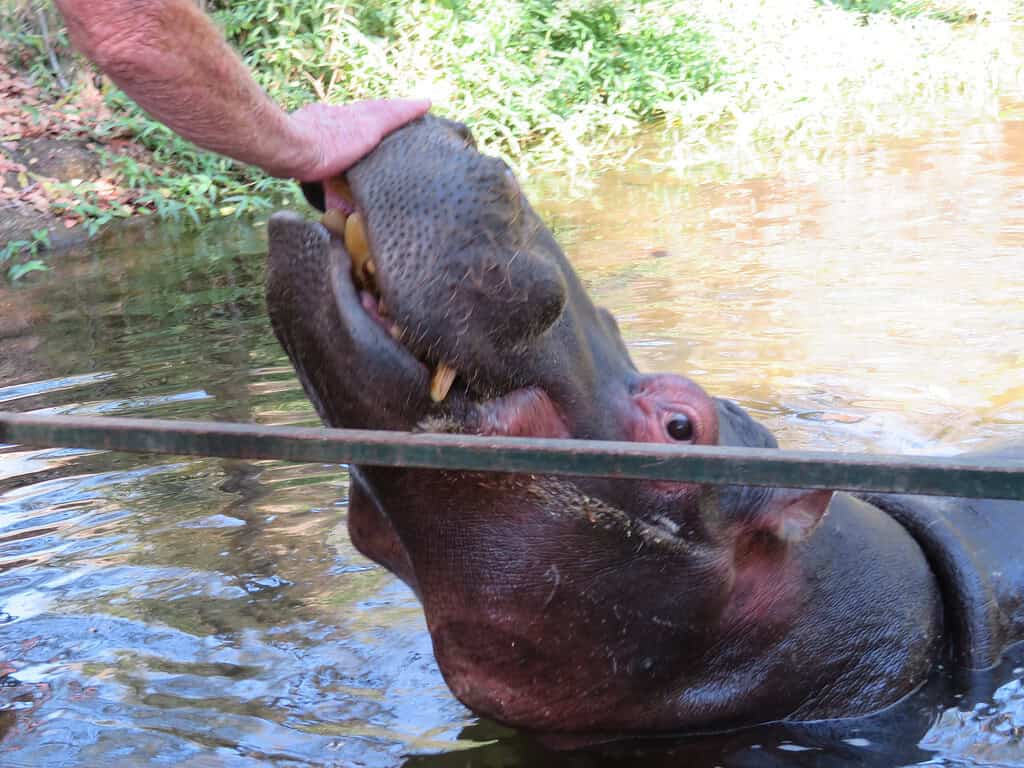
x=808 y=77
x=564 y=82
x=21 y=255
x=182 y=181
x=33 y=33
x=537 y=74
x=952 y=11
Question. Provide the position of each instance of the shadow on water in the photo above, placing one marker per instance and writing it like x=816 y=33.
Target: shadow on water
x=212 y=612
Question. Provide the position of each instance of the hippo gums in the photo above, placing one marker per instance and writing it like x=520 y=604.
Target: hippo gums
x=432 y=298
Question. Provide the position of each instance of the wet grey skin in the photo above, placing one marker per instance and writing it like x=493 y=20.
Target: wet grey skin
x=593 y=606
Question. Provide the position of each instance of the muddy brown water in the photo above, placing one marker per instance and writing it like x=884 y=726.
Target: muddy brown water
x=205 y=612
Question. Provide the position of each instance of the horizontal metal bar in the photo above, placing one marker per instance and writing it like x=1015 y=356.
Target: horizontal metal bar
x=978 y=477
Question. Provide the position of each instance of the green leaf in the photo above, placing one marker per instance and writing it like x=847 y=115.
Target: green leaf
x=20 y=270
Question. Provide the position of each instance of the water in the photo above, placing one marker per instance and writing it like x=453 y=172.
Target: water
x=207 y=612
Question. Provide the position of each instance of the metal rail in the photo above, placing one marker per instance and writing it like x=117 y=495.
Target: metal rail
x=977 y=477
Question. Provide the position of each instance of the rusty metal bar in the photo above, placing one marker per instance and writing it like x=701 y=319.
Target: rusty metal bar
x=977 y=477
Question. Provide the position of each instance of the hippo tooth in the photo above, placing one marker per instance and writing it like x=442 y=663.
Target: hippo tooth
x=444 y=377
x=355 y=241
x=363 y=268
x=339 y=186
x=395 y=331
x=334 y=221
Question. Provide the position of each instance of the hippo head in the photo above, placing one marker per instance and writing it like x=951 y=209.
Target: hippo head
x=553 y=604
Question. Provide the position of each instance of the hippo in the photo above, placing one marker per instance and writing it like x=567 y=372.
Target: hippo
x=432 y=298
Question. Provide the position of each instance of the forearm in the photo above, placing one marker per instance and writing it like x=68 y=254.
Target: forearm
x=172 y=60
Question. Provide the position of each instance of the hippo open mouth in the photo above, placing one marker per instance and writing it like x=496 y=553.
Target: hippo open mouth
x=442 y=292
x=433 y=298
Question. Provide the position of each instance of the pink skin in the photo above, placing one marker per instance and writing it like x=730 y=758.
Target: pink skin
x=664 y=397
x=370 y=307
x=333 y=200
x=522 y=413
x=657 y=401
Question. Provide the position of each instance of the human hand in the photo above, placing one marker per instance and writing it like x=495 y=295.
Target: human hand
x=329 y=139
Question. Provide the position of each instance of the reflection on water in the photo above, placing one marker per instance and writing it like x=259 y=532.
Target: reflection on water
x=213 y=613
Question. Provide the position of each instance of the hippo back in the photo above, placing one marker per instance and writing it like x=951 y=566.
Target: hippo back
x=975 y=548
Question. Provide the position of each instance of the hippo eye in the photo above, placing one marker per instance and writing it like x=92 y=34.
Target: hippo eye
x=680 y=428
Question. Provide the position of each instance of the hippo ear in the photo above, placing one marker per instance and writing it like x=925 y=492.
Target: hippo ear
x=792 y=514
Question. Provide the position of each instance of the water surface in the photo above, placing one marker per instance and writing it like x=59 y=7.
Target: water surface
x=208 y=612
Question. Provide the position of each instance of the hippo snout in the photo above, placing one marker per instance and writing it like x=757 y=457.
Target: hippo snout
x=462 y=267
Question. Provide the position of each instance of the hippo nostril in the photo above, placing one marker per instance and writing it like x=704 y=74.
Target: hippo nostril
x=537 y=308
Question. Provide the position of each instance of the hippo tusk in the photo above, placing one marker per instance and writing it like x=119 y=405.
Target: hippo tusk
x=441 y=383
x=355 y=240
x=334 y=221
x=353 y=233
x=358 y=248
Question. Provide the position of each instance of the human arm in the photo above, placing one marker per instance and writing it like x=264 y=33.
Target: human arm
x=172 y=60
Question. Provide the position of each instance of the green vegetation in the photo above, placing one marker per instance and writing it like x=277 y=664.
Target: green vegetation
x=734 y=84
x=952 y=11
x=809 y=77
x=530 y=76
x=23 y=254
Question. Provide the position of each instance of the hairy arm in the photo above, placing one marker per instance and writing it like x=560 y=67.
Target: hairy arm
x=173 y=61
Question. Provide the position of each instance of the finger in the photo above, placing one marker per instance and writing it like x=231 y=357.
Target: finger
x=389 y=114
x=349 y=132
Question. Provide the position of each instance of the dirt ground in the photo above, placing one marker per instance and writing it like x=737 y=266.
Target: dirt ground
x=51 y=150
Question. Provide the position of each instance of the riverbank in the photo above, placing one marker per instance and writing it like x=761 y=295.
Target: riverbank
x=59 y=179
x=735 y=88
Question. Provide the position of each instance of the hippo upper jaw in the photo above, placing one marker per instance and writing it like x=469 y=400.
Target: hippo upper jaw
x=471 y=319
x=359 y=373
